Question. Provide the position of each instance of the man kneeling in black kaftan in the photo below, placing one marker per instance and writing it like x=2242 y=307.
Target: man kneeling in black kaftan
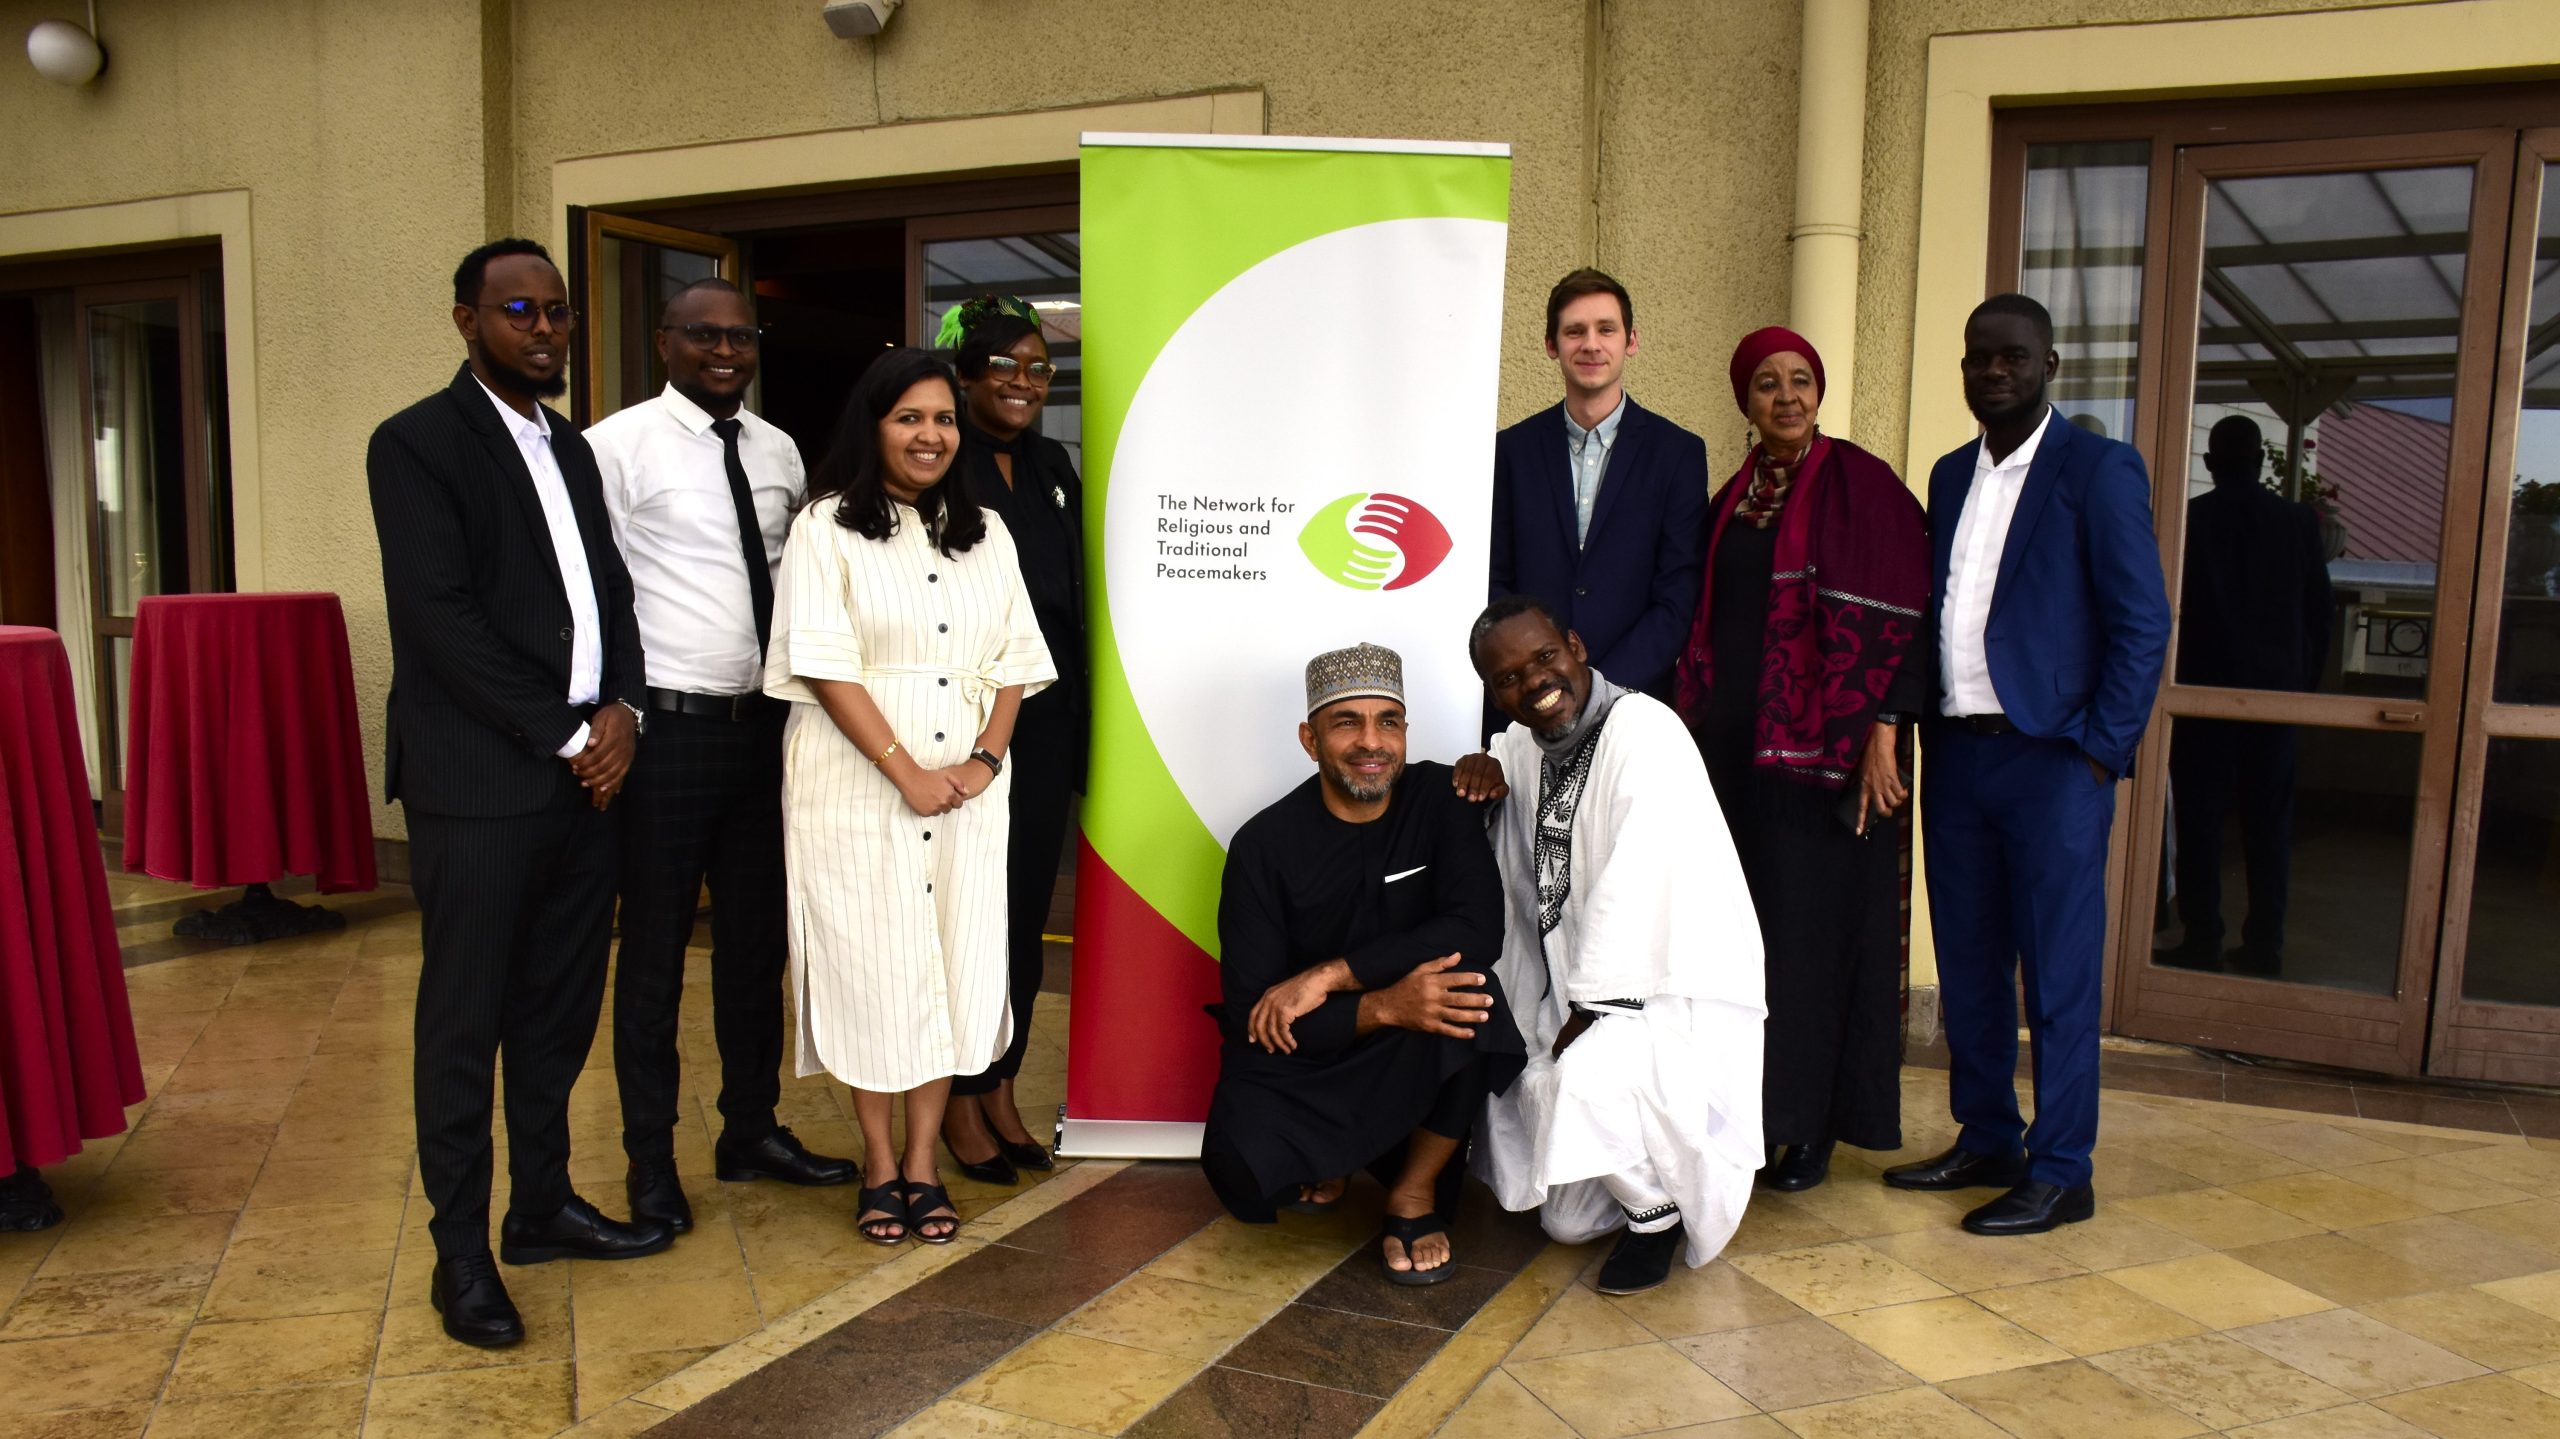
x=1360 y=919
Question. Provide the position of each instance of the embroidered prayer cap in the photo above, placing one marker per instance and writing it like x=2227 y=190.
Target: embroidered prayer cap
x=1758 y=346
x=1364 y=671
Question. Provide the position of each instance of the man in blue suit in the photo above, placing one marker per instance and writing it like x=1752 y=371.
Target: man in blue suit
x=2051 y=623
x=1600 y=505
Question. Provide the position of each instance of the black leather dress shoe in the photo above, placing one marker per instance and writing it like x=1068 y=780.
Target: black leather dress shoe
x=779 y=1155
x=467 y=1291
x=656 y=1195
x=1960 y=1169
x=1031 y=1154
x=578 y=1231
x=1805 y=1166
x=994 y=1169
x=1641 y=1261
x=2032 y=1208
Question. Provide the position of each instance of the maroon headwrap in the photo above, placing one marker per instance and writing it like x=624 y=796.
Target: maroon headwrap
x=1760 y=345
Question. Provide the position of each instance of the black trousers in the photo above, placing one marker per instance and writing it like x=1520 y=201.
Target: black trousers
x=515 y=915
x=1452 y=1115
x=704 y=801
x=2216 y=767
x=1043 y=762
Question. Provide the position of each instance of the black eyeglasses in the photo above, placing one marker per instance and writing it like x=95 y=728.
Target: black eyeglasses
x=1005 y=367
x=740 y=337
x=522 y=314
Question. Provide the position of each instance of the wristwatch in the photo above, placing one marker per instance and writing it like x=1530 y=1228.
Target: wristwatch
x=639 y=721
x=993 y=762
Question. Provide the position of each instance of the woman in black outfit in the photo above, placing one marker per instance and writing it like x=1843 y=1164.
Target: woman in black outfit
x=1805 y=656
x=1025 y=478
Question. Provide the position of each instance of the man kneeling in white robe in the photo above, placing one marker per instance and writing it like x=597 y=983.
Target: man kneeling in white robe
x=1631 y=956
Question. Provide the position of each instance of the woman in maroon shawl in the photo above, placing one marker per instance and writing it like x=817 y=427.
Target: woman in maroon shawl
x=1805 y=656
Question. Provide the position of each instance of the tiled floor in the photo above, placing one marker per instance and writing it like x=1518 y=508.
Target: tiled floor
x=250 y=1260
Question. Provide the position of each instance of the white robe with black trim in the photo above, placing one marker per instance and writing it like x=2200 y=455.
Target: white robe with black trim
x=1657 y=911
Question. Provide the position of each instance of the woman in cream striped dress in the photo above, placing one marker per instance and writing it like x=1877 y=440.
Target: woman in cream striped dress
x=905 y=641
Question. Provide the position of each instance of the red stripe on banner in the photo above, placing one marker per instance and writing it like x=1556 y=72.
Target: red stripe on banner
x=1138 y=1045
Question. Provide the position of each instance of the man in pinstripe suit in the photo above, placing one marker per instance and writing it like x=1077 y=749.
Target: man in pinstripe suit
x=515 y=661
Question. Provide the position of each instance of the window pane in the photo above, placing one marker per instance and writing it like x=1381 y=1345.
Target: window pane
x=1046 y=272
x=2529 y=629
x=2086 y=210
x=137 y=451
x=2515 y=894
x=2322 y=429
x=2287 y=852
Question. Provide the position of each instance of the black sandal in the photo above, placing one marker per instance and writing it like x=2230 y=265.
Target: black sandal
x=1405 y=1231
x=922 y=1198
x=889 y=1202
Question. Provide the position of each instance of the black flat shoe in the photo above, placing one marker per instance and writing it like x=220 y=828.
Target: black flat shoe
x=1031 y=1155
x=779 y=1155
x=2033 y=1208
x=578 y=1231
x=1641 y=1261
x=1805 y=1166
x=473 y=1301
x=994 y=1169
x=1960 y=1169
x=657 y=1197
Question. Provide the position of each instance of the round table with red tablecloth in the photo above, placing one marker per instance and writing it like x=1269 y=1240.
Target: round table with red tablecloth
x=244 y=763
x=68 y=1066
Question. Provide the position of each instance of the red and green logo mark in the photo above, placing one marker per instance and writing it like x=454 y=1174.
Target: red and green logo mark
x=1375 y=541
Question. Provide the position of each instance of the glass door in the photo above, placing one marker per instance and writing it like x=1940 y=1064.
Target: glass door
x=151 y=525
x=1034 y=255
x=622 y=272
x=2332 y=346
x=2497 y=994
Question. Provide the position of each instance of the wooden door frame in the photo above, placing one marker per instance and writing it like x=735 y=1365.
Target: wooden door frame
x=2324 y=1025
x=2473 y=1039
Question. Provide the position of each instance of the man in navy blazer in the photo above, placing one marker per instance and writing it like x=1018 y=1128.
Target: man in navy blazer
x=2051 y=623
x=1600 y=505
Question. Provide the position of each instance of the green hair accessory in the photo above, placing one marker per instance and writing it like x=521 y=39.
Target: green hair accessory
x=958 y=321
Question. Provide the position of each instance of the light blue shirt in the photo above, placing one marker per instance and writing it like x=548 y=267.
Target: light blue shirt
x=1587 y=451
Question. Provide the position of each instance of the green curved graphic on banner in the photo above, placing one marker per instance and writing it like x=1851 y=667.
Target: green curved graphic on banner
x=1164 y=228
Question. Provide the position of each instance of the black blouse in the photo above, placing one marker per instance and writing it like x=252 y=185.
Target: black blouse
x=1044 y=510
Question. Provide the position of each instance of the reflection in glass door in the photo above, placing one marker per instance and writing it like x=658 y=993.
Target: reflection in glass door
x=2497 y=1012
x=2331 y=347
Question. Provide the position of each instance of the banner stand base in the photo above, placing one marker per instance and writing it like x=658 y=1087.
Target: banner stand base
x=1128 y=1139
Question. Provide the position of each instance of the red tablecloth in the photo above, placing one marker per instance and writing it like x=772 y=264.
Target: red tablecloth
x=243 y=764
x=67 y=1061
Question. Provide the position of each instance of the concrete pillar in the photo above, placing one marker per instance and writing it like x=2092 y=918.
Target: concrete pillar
x=1831 y=146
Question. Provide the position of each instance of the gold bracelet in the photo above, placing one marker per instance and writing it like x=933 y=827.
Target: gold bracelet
x=884 y=755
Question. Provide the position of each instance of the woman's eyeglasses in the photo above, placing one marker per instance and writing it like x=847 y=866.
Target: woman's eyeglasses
x=1006 y=367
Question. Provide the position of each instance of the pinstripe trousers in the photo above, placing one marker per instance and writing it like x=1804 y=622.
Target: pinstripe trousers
x=704 y=801
x=515 y=913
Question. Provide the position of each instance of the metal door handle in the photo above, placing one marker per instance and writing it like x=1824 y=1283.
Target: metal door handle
x=2401 y=716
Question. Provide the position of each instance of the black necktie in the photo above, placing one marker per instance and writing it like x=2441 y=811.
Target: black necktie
x=750 y=533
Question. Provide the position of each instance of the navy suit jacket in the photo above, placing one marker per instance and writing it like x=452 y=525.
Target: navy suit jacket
x=2079 y=623
x=1631 y=588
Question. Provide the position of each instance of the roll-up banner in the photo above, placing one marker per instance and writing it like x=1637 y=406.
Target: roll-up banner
x=1290 y=358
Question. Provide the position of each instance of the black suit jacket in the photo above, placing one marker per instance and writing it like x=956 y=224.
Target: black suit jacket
x=480 y=621
x=1631 y=587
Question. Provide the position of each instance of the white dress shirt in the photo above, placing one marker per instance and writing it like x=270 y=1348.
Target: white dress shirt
x=1973 y=568
x=666 y=490
x=586 y=646
x=1587 y=451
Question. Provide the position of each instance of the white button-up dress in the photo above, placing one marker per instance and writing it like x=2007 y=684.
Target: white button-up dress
x=897 y=919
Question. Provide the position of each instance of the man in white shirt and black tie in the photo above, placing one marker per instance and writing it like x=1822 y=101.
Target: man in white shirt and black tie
x=514 y=714
x=701 y=491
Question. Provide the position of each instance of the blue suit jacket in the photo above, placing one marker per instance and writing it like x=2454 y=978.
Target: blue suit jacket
x=1631 y=589
x=2079 y=624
